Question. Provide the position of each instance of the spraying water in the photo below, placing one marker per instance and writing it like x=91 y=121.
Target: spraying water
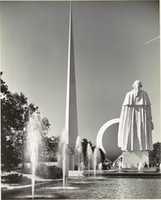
x=63 y=156
x=96 y=159
x=140 y=167
x=64 y=165
x=160 y=167
x=100 y=166
x=78 y=149
x=34 y=130
x=120 y=165
x=89 y=155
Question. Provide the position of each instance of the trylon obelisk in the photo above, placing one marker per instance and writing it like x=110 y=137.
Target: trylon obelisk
x=71 y=100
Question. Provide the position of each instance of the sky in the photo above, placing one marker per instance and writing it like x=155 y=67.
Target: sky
x=115 y=43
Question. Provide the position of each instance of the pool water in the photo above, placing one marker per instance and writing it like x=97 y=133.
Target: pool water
x=96 y=188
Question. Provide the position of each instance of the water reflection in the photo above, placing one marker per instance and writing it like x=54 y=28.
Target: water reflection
x=99 y=188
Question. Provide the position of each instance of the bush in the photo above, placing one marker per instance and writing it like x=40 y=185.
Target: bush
x=51 y=172
x=12 y=177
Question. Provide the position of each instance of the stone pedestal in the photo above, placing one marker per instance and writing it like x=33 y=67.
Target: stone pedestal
x=135 y=159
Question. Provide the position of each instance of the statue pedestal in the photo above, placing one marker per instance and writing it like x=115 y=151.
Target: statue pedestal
x=135 y=159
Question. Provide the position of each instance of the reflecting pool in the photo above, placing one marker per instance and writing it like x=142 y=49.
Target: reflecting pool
x=95 y=188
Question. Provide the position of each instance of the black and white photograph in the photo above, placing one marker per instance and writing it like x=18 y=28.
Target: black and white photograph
x=80 y=99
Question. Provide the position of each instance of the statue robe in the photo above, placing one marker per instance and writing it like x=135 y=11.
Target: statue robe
x=135 y=125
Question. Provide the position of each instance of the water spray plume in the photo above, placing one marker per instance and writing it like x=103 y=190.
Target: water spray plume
x=89 y=155
x=78 y=149
x=96 y=159
x=34 y=131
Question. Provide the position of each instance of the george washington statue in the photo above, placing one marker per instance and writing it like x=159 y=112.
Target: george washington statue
x=135 y=127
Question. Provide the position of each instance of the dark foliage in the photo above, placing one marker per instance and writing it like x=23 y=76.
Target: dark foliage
x=12 y=178
x=84 y=150
x=155 y=155
x=49 y=149
x=45 y=171
x=15 y=112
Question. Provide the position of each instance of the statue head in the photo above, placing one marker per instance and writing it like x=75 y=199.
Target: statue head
x=137 y=86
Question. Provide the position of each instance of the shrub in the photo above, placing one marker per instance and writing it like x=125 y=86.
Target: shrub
x=50 y=172
x=12 y=177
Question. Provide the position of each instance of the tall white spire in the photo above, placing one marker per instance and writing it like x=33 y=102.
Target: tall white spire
x=68 y=71
x=71 y=100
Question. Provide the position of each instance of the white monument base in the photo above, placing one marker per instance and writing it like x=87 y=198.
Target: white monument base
x=135 y=159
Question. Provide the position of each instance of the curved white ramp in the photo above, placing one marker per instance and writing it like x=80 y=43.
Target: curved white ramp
x=108 y=143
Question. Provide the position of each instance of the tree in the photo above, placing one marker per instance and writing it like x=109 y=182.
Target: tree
x=49 y=149
x=14 y=116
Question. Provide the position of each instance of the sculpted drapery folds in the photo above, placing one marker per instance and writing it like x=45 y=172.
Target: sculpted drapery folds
x=135 y=127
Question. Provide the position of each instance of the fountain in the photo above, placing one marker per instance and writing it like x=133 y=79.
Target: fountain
x=63 y=157
x=64 y=167
x=100 y=166
x=34 y=132
x=140 y=167
x=89 y=155
x=64 y=162
x=78 y=149
x=96 y=159
x=120 y=165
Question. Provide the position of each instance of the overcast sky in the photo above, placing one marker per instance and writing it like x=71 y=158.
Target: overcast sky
x=111 y=51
